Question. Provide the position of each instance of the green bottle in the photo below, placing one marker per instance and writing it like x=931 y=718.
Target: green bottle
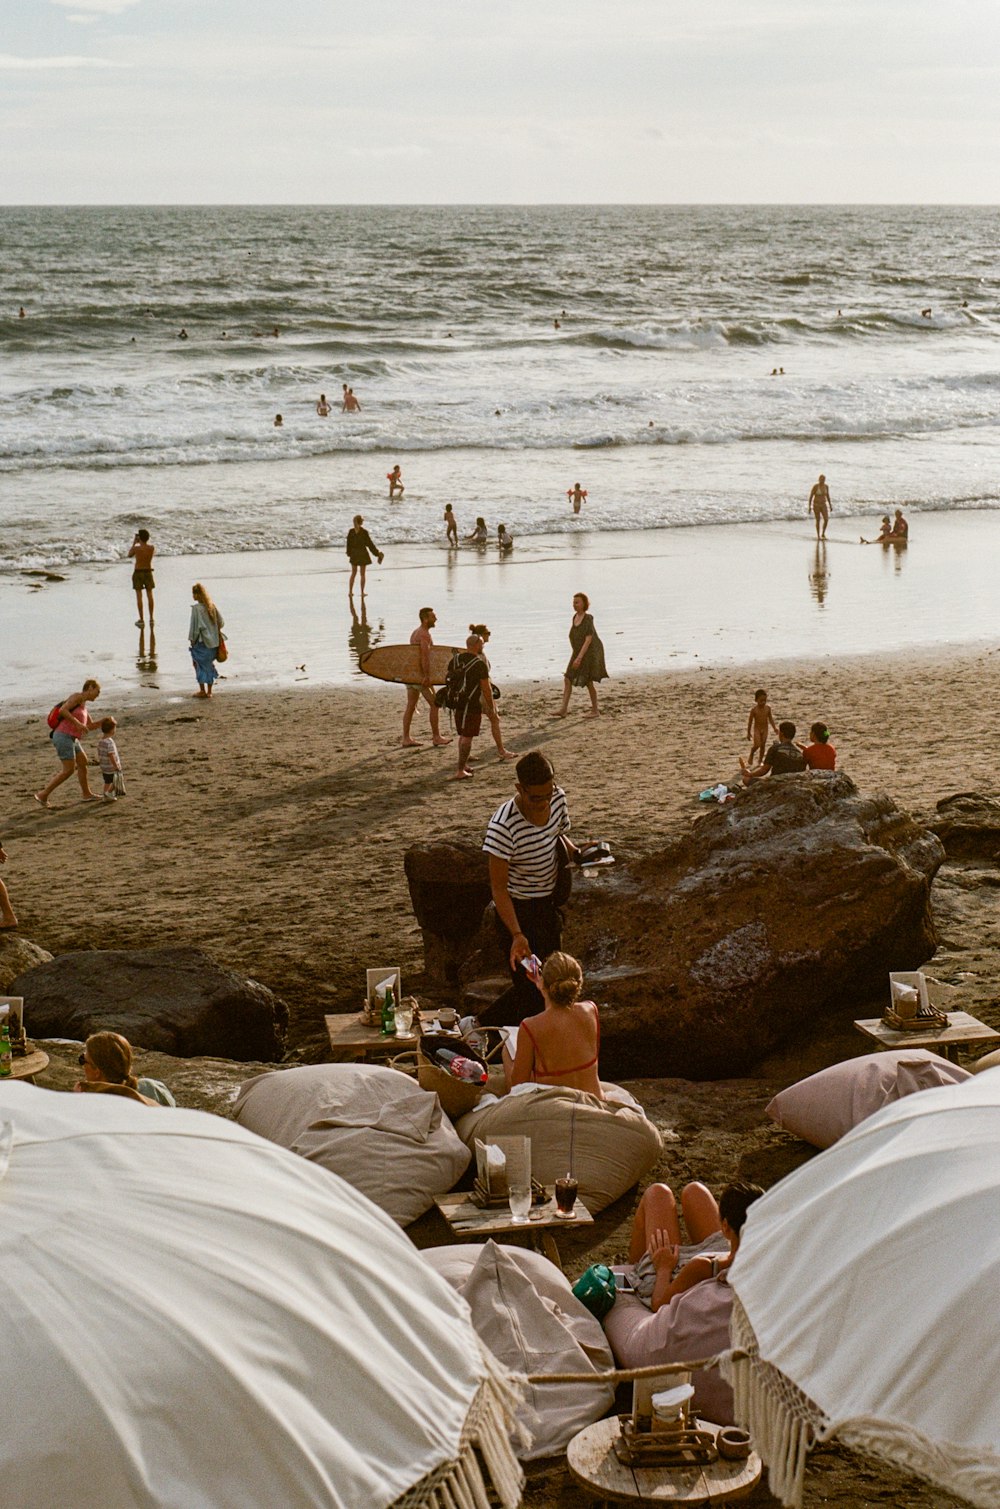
x=389 y=1014
x=5 y=1055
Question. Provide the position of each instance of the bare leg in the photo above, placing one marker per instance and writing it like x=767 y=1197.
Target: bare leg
x=68 y=767
x=462 y=773
x=138 y=604
x=505 y=754
x=592 y=691
x=701 y=1211
x=567 y=689
x=350 y=585
x=149 y=602
x=362 y=581
x=412 y=698
x=83 y=776
x=6 y=910
x=657 y=1211
x=435 y=717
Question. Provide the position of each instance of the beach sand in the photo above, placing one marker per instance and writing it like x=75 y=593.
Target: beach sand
x=269 y=828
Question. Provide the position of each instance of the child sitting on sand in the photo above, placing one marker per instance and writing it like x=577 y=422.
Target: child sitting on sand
x=820 y=753
x=110 y=760
x=760 y=718
x=661 y=1266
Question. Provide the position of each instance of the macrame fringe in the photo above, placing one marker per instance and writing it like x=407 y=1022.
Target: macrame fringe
x=485 y=1443
x=782 y=1422
x=970 y=1474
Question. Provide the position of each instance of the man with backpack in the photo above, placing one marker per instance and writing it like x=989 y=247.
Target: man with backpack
x=467 y=692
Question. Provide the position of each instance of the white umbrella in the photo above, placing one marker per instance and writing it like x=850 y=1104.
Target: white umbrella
x=866 y=1292
x=195 y=1318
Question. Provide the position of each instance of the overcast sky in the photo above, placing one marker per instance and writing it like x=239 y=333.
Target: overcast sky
x=389 y=101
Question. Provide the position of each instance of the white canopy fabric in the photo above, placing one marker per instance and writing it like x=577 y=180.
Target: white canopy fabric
x=195 y=1318
x=866 y=1292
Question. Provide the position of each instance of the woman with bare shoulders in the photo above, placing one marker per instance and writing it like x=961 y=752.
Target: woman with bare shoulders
x=586 y=664
x=560 y=1045
x=74 y=724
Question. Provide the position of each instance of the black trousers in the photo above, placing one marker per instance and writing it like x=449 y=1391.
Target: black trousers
x=541 y=923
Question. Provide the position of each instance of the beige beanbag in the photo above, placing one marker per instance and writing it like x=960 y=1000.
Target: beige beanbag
x=695 y=1324
x=374 y=1127
x=824 y=1107
x=611 y=1143
x=524 y=1310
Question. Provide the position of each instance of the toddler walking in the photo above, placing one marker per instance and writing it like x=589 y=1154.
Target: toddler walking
x=111 y=764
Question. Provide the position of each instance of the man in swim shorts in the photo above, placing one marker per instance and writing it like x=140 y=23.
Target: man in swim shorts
x=421 y=637
x=142 y=553
x=820 y=505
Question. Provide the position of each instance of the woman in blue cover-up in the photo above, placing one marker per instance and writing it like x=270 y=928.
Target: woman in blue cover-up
x=586 y=664
x=204 y=637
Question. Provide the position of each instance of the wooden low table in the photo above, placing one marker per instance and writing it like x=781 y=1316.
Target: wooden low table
x=468 y=1219
x=351 y=1038
x=594 y=1465
x=29 y=1065
x=962 y=1031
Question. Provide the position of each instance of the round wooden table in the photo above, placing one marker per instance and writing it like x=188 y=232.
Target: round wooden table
x=31 y=1064
x=594 y=1465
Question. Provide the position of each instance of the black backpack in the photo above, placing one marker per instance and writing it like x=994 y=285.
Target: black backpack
x=461 y=682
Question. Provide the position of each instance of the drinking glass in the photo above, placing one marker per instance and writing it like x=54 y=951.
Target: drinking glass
x=403 y=1015
x=519 y=1196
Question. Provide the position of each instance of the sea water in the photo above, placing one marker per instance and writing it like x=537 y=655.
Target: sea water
x=499 y=354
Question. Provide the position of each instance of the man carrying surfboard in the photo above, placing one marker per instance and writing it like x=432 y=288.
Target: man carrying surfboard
x=421 y=637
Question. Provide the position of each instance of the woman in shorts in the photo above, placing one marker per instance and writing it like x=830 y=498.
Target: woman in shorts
x=74 y=724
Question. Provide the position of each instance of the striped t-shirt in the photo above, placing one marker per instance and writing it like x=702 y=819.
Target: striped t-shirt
x=530 y=851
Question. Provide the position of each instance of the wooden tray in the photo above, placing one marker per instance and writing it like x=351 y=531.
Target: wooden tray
x=929 y=1021
x=684 y=1447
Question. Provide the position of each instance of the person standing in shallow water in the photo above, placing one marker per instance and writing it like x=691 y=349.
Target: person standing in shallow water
x=142 y=552
x=820 y=506
x=586 y=663
x=359 y=543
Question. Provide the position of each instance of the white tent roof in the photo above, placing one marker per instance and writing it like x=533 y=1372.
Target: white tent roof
x=869 y=1279
x=196 y=1317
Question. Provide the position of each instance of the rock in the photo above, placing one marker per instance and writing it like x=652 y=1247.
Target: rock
x=450 y=889
x=968 y=824
x=200 y=1084
x=17 y=954
x=793 y=900
x=174 y=1000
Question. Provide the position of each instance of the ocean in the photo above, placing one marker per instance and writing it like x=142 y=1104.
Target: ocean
x=500 y=354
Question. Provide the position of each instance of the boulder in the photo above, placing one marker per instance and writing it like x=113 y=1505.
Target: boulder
x=17 y=954
x=175 y=1000
x=198 y=1084
x=792 y=901
x=450 y=889
x=968 y=824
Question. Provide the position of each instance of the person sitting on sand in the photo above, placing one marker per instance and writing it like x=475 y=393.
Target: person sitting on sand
x=884 y=534
x=900 y=528
x=661 y=1266
x=8 y=921
x=74 y=724
x=480 y=534
x=576 y=495
x=394 y=478
x=820 y=753
x=783 y=758
x=504 y=540
x=560 y=1045
x=322 y=408
x=107 y=1060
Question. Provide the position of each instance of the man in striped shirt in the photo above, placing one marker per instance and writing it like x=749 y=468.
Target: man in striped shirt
x=522 y=840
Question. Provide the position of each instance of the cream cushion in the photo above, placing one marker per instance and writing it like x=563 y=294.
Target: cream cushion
x=824 y=1107
x=609 y=1143
x=695 y=1324
x=524 y=1310
x=374 y=1127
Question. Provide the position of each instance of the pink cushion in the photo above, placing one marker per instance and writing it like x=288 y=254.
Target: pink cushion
x=822 y=1108
x=694 y=1324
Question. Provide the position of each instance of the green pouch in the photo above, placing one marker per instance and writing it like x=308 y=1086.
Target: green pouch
x=596 y=1289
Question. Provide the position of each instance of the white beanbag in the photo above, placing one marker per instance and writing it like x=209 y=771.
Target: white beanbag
x=525 y=1312
x=374 y=1127
x=610 y=1143
x=824 y=1107
x=694 y=1325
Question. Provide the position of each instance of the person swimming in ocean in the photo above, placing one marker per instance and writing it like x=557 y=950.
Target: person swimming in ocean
x=322 y=408
x=351 y=405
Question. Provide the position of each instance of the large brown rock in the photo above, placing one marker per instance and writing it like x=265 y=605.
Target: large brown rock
x=17 y=954
x=449 y=888
x=174 y=1000
x=968 y=824
x=793 y=900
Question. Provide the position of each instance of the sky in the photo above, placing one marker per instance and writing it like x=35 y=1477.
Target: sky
x=517 y=101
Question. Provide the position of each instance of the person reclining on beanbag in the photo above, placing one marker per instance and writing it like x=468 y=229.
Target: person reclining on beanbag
x=560 y=1045
x=107 y=1060
x=661 y=1266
